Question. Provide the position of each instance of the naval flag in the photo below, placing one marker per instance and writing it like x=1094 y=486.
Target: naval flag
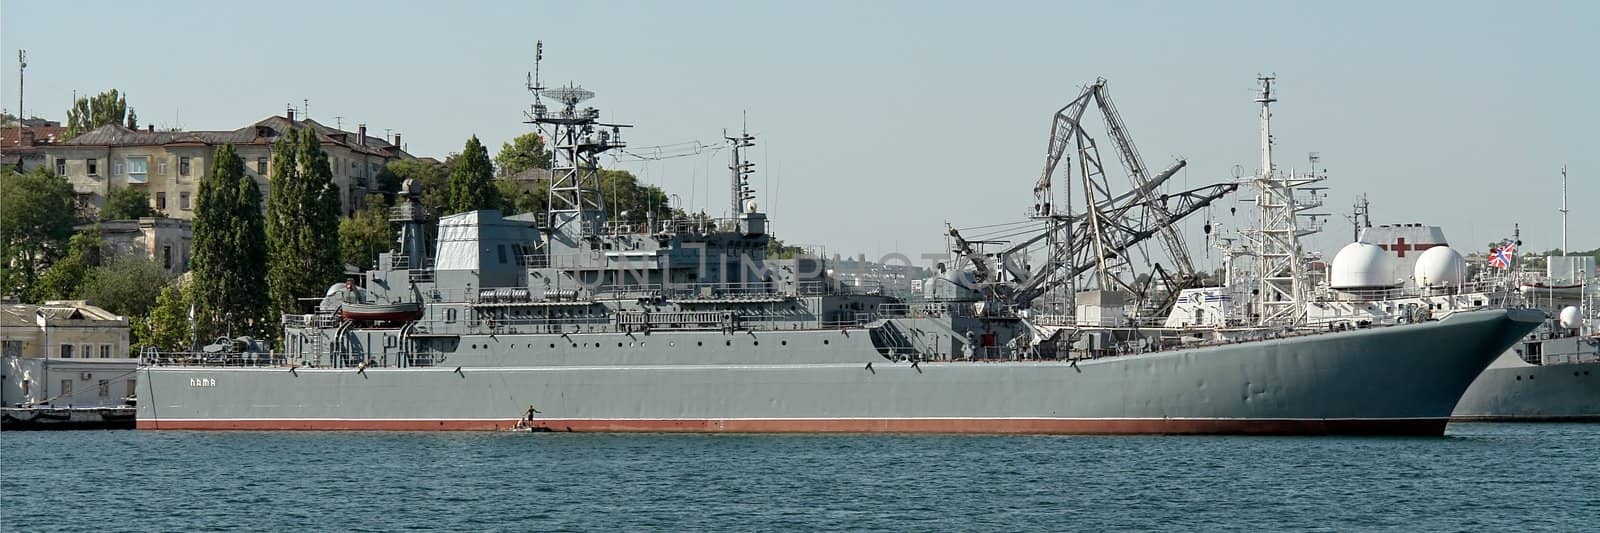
x=1501 y=257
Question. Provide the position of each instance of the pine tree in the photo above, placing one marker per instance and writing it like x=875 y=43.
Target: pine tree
x=303 y=222
x=471 y=180
x=229 y=252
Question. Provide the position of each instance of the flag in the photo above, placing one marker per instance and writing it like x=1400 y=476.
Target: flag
x=1502 y=257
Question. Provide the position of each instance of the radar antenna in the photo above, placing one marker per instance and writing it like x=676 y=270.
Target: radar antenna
x=576 y=138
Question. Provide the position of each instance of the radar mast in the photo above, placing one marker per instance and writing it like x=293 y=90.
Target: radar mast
x=576 y=138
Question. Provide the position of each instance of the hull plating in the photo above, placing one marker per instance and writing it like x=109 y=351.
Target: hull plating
x=1396 y=380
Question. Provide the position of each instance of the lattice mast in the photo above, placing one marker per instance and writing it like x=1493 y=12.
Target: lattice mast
x=576 y=138
x=740 y=192
x=1284 y=288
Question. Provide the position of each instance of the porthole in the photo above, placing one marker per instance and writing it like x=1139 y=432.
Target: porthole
x=755 y=343
x=729 y=343
x=699 y=343
x=552 y=346
x=783 y=343
x=672 y=344
x=619 y=345
x=824 y=341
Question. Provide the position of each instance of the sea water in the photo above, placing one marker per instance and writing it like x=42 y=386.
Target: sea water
x=1478 y=477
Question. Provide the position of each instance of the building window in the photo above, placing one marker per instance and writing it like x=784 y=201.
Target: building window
x=93 y=166
x=116 y=168
x=66 y=390
x=61 y=166
x=161 y=200
x=86 y=351
x=133 y=386
x=105 y=351
x=183 y=200
x=183 y=166
x=161 y=168
x=166 y=257
x=105 y=388
x=261 y=165
x=66 y=351
x=138 y=169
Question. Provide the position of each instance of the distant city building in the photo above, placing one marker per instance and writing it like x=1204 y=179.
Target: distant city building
x=23 y=149
x=167 y=165
x=164 y=240
x=64 y=353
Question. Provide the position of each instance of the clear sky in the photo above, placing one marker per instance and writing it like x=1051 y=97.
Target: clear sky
x=879 y=121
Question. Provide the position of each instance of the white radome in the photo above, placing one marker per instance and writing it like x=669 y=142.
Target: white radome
x=1440 y=266
x=1569 y=318
x=1362 y=266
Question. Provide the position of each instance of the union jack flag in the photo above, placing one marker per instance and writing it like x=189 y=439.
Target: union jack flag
x=1501 y=257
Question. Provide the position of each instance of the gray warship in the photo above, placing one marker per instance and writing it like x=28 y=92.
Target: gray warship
x=1551 y=374
x=572 y=322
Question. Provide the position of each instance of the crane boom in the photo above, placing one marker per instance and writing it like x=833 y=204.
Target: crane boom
x=1134 y=164
x=1062 y=128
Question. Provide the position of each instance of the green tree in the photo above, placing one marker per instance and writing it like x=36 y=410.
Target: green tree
x=433 y=177
x=471 y=185
x=65 y=279
x=90 y=112
x=363 y=236
x=518 y=197
x=127 y=284
x=230 y=254
x=302 y=223
x=133 y=119
x=522 y=153
x=36 y=217
x=124 y=203
x=629 y=201
x=167 y=327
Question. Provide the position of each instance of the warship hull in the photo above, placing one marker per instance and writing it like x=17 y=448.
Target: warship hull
x=1511 y=390
x=1402 y=380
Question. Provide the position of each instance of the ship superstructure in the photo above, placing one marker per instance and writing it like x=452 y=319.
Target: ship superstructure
x=573 y=321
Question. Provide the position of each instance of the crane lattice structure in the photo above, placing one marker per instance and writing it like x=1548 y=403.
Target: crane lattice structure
x=1111 y=223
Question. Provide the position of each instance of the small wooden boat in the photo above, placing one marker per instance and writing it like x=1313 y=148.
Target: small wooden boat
x=392 y=312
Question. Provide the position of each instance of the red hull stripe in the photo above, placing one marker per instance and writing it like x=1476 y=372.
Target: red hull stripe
x=1040 y=426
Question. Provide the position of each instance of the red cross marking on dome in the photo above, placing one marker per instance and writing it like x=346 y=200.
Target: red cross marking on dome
x=1400 y=247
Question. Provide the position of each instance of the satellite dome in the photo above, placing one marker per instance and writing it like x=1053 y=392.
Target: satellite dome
x=411 y=187
x=1570 y=318
x=1362 y=266
x=750 y=206
x=1440 y=266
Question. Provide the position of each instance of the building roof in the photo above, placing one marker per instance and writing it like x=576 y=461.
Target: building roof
x=262 y=132
x=28 y=315
x=18 y=315
x=10 y=137
x=530 y=175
